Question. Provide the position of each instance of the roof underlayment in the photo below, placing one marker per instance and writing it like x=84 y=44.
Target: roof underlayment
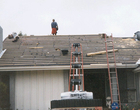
x=42 y=52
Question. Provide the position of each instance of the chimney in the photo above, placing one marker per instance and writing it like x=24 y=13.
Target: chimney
x=1 y=39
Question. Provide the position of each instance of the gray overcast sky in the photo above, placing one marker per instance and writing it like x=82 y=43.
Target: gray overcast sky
x=33 y=17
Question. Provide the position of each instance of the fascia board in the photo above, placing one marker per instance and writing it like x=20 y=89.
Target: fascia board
x=92 y=66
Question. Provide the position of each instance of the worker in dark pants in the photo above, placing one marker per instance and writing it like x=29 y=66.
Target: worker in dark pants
x=54 y=27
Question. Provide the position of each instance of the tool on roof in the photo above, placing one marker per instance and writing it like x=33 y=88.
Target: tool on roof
x=16 y=39
x=137 y=36
x=64 y=51
x=112 y=72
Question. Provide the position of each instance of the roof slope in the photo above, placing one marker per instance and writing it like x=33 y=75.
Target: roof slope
x=46 y=50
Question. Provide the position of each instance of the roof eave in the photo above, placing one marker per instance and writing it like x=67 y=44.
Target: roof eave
x=92 y=66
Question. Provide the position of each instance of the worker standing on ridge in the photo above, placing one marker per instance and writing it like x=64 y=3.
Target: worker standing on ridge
x=54 y=27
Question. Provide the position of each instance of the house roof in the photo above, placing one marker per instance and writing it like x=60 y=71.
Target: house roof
x=46 y=50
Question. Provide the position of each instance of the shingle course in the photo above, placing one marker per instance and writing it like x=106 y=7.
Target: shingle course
x=49 y=48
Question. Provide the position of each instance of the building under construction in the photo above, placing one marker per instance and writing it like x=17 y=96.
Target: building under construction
x=36 y=68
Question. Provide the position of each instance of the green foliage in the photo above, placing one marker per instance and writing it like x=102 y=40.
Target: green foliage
x=125 y=107
x=137 y=105
x=134 y=106
x=20 y=34
x=4 y=97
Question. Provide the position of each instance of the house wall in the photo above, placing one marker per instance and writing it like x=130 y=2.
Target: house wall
x=137 y=78
x=129 y=85
x=139 y=87
x=66 y=80
x=12 y=90
x=32 y=90
x=35 y=89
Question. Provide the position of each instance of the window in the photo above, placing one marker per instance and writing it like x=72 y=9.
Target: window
x=131 y=87
x=131 y=96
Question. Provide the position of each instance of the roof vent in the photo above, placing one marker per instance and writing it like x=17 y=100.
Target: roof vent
x=137 y=36
x=64 y=51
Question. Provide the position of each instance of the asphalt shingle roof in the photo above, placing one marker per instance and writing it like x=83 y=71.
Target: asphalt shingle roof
x=46 y=50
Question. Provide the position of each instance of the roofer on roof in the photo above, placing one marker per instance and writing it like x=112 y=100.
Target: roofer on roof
x=54 y=27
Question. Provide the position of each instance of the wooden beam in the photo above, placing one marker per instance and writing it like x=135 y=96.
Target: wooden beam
x=100 y=52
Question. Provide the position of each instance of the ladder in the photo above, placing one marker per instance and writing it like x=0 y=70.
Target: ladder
x=76 y=73
x=112 y=71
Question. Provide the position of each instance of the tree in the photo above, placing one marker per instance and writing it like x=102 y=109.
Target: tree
x=4 y=96
x=20 y=34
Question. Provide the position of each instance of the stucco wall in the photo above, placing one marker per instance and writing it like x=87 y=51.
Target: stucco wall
x=35 y=89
